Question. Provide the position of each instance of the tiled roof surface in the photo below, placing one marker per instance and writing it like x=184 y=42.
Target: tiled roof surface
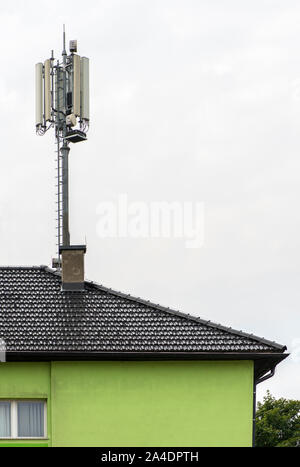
x=36 y=316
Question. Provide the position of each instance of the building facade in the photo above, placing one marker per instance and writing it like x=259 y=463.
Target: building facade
x=99 y=368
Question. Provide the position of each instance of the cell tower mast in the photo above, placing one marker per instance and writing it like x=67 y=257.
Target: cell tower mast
x=62 y=102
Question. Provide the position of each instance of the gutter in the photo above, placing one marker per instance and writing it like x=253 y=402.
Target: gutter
x=267 y=359
x=268 y=376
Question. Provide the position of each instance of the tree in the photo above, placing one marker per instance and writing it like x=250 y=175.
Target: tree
x=277 y=422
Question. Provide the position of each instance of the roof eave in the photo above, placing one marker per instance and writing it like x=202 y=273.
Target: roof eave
x=80 y=355
x=263 y=362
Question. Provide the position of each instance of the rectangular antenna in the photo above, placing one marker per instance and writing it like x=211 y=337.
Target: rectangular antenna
x=76 y=85
x=47 y=92
x=85 y=89
x=39 y=94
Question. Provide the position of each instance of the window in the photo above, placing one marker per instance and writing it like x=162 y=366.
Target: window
x=5 y=419
x=23 y=419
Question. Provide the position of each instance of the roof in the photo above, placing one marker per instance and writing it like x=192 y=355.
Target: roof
x=37 y=316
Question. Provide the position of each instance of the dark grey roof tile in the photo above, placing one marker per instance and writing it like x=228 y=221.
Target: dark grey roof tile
x=36 y=316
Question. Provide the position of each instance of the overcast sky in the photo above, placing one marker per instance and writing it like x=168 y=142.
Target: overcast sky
x=191 y=100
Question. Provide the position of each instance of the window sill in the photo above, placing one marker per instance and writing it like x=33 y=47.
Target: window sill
x=24 y=439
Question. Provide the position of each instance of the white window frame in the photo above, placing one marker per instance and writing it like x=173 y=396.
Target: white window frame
x=14 y=419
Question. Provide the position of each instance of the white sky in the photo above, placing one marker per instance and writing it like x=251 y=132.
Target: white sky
x=190 y=101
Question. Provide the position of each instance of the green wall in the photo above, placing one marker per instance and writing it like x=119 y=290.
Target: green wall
x=175 y=403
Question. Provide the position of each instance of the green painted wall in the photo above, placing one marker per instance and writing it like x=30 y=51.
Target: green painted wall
x=190 y=403
x=152 y=403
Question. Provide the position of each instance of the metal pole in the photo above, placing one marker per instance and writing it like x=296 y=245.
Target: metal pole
x=65 y=154
x=65 y=193
x=64 y=41
x=62 y=118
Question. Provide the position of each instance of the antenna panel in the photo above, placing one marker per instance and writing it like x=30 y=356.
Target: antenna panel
x=85 y=88
x=47 y=92
x=39 y=94
x=73 y=46
x=76 y=85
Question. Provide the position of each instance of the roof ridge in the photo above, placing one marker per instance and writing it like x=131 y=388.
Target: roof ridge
x=171 y=311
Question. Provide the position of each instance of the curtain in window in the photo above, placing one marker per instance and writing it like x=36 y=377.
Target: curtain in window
x=30 y=419
x=4 y=419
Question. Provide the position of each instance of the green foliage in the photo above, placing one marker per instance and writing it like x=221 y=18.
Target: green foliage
x=277 y=422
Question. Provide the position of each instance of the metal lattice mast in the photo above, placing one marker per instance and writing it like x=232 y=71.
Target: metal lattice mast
x=62 y=102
